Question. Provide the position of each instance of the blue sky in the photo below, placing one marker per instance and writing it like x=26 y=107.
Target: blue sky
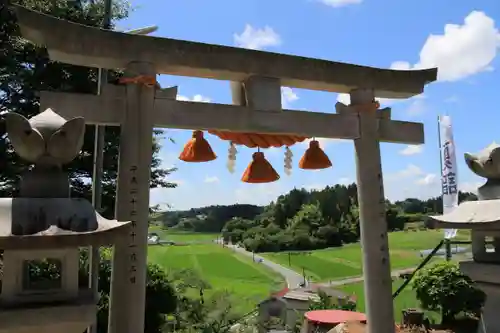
x=459 y=37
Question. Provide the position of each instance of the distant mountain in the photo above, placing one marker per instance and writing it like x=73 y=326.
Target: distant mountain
x=206 y=219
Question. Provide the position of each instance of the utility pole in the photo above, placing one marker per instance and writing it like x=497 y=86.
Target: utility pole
x=289 y=259
x=447 y=244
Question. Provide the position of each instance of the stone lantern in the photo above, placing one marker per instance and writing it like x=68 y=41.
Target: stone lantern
x=42 y=229
x=482 y=217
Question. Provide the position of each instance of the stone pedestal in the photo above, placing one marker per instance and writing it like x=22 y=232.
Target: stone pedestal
x=487 y=277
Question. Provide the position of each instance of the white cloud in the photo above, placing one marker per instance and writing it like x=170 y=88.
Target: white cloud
x=462 y=50
x=168 y=159
x=179 y=182
x=411 y=150
x=195 y=98
x=257 y=38
x=288 y=96
x=428 y=179
x=411 y=170
x=340 y=3
x=410 y=182
x=259 y=194
x=400 y=65
x=212 y=179
x=416 y=108
x=469 y=186
x=452 y=99
x=345 y=181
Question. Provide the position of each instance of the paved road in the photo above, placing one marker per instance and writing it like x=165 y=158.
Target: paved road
x=293 y=279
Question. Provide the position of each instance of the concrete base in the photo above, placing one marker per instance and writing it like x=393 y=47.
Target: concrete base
x=487 y=277
x=49 y=319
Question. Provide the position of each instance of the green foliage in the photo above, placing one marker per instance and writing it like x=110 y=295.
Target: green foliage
x=421 y=208
x=327 y=302
x=26 y=69
x=161 y=296
x=206 y=219
x=300 y=220
x=306 y=220
x=212 y=314
x=444 y=288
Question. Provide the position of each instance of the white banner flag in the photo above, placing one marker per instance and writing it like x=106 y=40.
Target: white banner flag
x=449 y=181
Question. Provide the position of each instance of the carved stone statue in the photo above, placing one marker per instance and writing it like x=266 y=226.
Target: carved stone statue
x=48 y=141
x=486 y=164
x=482 y=217
x=44 y=225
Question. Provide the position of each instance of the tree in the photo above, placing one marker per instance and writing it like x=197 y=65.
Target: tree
x=444 y=288
x=327 y=302
x=26 y=69
x=213 y=314
x=309 y=217
x=394 y=220
x=161 y=297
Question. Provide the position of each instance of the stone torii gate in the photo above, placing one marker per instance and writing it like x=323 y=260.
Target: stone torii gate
x=257 y=80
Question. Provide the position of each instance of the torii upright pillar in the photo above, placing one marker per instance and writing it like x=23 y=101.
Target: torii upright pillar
x=373 y=225
x=128 y=295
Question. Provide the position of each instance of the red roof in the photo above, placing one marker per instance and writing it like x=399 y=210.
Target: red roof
x=281 y=293
x=334 y=316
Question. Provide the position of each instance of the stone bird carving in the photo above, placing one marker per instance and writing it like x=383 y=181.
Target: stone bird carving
x=46 y=139
x=486 y=163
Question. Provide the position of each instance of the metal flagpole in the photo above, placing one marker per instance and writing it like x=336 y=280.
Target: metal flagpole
x=94 y=255
x=446 y=240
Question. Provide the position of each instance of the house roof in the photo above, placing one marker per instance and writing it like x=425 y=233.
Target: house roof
x=311 y=293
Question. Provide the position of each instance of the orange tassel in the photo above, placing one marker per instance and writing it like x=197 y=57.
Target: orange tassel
x=197 y=149
x=314 y=158
x=259 y=170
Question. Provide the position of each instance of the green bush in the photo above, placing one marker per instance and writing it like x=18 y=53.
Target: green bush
x=326 y=302
x=413 y=218
x=444 y=288
x=161 y=298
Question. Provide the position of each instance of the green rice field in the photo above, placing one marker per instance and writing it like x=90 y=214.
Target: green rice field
x=248 y=282
x=346 y=261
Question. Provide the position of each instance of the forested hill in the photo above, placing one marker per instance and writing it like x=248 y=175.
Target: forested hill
x=331 y=210
x=307 y=220
x=206 y=219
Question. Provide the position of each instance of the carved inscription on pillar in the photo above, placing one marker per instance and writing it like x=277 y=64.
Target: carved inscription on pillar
x=130 y=259
x=382 y=213
x=133 y=230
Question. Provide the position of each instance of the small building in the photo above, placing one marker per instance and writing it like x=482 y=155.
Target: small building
x=289 y=305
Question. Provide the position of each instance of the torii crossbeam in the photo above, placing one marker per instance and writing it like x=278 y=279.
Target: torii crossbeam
x=259 y=76
x=106 y=109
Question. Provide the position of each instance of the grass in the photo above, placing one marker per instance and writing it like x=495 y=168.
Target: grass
x=248 y=282
x=346 y=261
x=406 y=299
